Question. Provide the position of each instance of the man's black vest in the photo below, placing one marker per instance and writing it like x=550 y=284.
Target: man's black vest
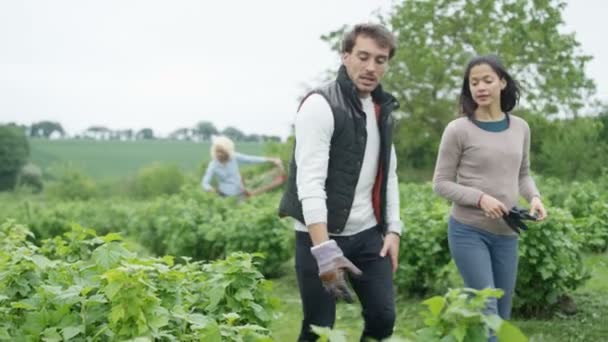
x=346 y=152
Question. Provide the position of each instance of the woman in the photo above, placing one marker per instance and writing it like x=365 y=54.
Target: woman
x=482 y=168
x=224 y=165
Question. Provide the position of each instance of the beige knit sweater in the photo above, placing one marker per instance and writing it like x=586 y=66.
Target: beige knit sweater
x=473 y=161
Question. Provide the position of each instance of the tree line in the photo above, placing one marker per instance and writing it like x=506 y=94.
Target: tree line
x=202 y=131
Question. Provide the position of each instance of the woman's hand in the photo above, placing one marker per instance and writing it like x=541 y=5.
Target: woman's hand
x=492 y=207
x=538 y=209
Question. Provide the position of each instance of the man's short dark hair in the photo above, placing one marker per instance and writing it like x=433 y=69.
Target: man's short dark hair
x=377 y=32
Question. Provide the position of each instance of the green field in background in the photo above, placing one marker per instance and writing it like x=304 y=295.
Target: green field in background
x=117 y=159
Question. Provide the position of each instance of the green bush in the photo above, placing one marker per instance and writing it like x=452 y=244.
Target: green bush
x=571 y=149
x=256 y=227
x=30 y=176
x=83 y=287
x=14 y=152
x=206 y=226
x=550 y=263
x=106 y=216
x=182 y=225
x=70 y=183
x=158 y=179
x=423 y=254
x=193 y=223
x=587 y=202
x=593 y=227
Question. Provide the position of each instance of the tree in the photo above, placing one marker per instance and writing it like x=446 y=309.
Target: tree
x=182 y=134
x=14 y=152
x=233 y=133
x=436 y=38
x=205 y=130
x=98 y=132
x=254 y=138
x=44 y=129
x=145 y=134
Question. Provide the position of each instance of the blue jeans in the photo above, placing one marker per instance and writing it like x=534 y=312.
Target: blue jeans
x=485 y=260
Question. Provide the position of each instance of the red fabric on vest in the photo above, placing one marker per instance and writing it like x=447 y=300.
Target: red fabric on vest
x=379 y=175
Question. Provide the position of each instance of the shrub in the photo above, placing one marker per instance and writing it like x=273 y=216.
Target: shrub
x=14 y=152
x=70 y=183
x=550 y=263
x=256 y=227
x=30 y=176
x=86 y=287
x=587 y=202
x=423 y=253
x=158 y=179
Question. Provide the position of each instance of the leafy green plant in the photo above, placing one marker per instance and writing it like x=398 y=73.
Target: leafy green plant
x=14 y=152
x=70 y=183
x=30 y=176
x=459 y=316
x=158 y=179
x=550 y=263
x=424 y=253
x=82 y=287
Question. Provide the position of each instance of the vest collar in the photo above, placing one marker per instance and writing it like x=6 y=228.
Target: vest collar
x=379 y=96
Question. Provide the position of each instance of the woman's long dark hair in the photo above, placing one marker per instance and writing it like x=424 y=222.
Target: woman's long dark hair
x=508 y=96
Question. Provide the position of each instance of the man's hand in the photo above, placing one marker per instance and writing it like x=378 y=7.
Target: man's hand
x=391 y=247
x=332 y=264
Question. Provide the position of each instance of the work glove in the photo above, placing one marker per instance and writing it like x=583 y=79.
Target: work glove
x=516 y=217
x=332 y=264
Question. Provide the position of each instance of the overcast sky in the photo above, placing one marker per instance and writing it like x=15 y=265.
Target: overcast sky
x=169 y=64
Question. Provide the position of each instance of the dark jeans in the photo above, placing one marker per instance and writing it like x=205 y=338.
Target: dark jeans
x=374 y=288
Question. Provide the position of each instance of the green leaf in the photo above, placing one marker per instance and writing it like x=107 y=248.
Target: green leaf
x=69 y=332
x=159 y=318
x=511 y=333
x=328 y=334
x=41 y=261
x=477 y=334
x=4 y=334
x=459 y=332
x=435 y=305
x=243 y=294
x=231 y=317
x=51 y=335
x=108 y=255
x=117 y=314
x=22 y=305
x=69 y=296
x=215 y=296
x=112 y=237
x=209 y=330
x=493 y=321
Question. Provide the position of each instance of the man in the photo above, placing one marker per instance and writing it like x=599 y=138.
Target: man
x=343 y=190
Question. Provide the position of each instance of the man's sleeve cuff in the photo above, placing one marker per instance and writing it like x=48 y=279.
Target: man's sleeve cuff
x=395 y=227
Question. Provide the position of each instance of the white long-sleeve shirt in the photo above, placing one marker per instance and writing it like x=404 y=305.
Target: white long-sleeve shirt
x=314 y=127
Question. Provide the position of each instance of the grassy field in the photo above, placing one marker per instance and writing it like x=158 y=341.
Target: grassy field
x=588 y=325
x=117 y=159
